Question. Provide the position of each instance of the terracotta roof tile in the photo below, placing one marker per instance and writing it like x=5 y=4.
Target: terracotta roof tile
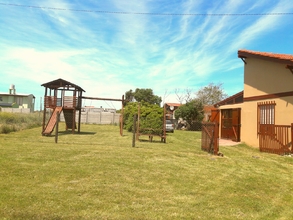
x=275 y=56
x=173 y=104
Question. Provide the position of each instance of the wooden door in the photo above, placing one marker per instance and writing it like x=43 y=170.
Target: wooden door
x=236 y=123
x=230 y=124
x=226 y=123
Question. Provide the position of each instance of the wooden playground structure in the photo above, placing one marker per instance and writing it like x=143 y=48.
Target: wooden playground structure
x=63 y=96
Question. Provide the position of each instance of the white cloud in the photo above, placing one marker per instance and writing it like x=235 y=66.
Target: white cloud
x=108 y=54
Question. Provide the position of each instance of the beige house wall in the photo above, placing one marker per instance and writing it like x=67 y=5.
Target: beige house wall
x=283 y=116
x=249 y=124
x=262 y=78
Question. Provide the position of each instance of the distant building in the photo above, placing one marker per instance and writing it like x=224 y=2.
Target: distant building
x=11 y=99
x=170 y=109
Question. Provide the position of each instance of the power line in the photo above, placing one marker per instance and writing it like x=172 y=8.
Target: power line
x=149 y=13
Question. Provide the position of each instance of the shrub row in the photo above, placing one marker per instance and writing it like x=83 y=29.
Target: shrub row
x=11 y=122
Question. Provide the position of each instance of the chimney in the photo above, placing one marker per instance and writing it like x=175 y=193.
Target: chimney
x=12 y=89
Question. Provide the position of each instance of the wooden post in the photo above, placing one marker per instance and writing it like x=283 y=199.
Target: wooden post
x=74 y=111
x=79 y=104
x=134 y=130
x=216 y=138
x=57 y=127
x=138 y=117
x=164 y=124
x=44 y=113
x=291 y=137
x=121 y=116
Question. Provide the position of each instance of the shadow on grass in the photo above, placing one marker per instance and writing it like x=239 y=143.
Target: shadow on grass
x=61 y=133
x=153 y=141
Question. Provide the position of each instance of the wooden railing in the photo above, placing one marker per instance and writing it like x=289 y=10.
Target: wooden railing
x=70 y=101
x=50 y=101
x=275 y=139
x=67 y=102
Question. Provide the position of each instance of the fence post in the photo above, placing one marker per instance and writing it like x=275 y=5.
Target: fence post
x=216 y=138
x=291 y=137
x=134 y=130
x=57 y=127
x=138 y=121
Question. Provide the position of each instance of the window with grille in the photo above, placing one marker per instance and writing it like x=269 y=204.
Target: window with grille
x=265 y=113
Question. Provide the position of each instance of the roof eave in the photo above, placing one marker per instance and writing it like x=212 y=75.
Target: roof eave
x=55 y=84
x=246 y=54
x=223 y=102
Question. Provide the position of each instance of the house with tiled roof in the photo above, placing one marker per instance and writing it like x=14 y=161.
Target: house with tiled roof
x=170 y=109
x=261 y=114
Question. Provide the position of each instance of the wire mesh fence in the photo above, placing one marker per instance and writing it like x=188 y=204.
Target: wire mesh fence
x=191 y=126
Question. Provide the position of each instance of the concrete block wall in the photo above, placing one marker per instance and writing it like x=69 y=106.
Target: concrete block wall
x=16 y=110
x=97 y=117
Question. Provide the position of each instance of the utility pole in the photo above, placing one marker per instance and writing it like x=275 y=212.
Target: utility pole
x=40 y=104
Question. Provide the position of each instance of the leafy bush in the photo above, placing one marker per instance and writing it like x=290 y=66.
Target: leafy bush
x=151 y=117
x=129 y=111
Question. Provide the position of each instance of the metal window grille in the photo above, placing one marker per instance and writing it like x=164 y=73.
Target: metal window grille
x=265 y=113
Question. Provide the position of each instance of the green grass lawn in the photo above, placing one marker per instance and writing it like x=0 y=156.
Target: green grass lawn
x=98 y=175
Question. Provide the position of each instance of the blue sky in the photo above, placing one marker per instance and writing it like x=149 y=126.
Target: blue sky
x=109 y=53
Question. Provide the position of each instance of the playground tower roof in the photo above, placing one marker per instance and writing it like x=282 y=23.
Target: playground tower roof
x=55 y=84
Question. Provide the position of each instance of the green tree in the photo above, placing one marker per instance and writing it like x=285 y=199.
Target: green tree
x=211 y=94
x=129 y=111
x=142 y=95
x=191 y=111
